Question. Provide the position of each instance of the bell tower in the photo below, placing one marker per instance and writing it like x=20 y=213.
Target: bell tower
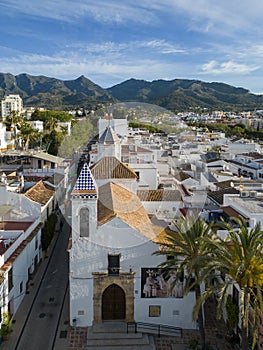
x=109 y=144
x=84 y=197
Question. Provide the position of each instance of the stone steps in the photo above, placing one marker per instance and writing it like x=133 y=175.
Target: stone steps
x=112 y=336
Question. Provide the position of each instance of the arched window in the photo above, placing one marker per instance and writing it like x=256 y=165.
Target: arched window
x=84 y=222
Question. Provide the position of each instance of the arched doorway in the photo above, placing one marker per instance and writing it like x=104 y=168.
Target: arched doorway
x=113 y=303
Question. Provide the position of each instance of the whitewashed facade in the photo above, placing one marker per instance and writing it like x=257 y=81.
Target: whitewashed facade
x=20 y=234
x=112 y=247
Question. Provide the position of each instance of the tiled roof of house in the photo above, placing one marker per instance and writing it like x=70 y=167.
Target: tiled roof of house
x=159 y=195
x=254 y=155
x=210 y=157
x=218 y=196
x=112 y=168
x=40 y=193
x=115 y=201
x=181 y=176
x=85 y=186
x=237 y=182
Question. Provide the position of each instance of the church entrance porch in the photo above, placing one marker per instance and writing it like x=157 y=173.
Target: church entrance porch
x=113 y=297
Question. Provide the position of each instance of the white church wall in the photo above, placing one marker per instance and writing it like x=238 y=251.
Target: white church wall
x=175 y=312
x=116 y=234
x=81 y=301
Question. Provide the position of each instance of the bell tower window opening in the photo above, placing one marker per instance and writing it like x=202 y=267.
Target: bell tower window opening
x=84 y=222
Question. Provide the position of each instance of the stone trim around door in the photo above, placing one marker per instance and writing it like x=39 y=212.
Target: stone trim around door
x=101 y=281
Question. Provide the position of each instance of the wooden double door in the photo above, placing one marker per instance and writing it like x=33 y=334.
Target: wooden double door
x=113 y=303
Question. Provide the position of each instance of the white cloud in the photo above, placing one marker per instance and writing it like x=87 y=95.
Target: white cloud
x=162 y=46
x=229 y=67
x=103 y=11
x=136 y=47
x=221 y=16
x=102 y=70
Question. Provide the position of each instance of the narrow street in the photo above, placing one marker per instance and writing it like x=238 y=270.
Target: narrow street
x=37 y=321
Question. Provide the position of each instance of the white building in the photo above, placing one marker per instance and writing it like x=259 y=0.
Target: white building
x=113 y=272
x=9 y=104
x=242 y=147
x=37 y=125
x=3 y=138
x=20 y=247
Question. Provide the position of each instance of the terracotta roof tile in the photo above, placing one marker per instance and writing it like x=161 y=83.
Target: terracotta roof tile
x=159 y=195
x=115 y=201
x=111 y=168
x=218 y=196
x=40 y=193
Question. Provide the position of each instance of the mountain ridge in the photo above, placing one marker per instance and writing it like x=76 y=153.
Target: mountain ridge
x=176 y=94
x=52 y=92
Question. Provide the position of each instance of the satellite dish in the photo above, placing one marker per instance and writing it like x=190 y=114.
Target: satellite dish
x=232 y=184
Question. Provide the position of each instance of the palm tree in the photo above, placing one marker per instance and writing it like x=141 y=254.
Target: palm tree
x=239 y=258
x=188 y=253
x=14 y=120
x=50 y=124
x=27 y=134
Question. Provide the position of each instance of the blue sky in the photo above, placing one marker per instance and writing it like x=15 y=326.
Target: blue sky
x=110 y=41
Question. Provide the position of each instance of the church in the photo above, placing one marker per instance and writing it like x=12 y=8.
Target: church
x=113 y=272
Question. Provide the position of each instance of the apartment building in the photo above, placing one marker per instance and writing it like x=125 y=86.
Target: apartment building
x=9 y=104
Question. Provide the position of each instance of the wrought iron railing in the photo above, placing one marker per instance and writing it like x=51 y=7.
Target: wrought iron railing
x=158 y=329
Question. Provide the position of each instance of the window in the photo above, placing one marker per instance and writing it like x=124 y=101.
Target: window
x=36 y=243
x=84 y=222
x=10 y=279
x=114 y=264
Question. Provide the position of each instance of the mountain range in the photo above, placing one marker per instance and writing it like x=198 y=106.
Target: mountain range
x=174 y=95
